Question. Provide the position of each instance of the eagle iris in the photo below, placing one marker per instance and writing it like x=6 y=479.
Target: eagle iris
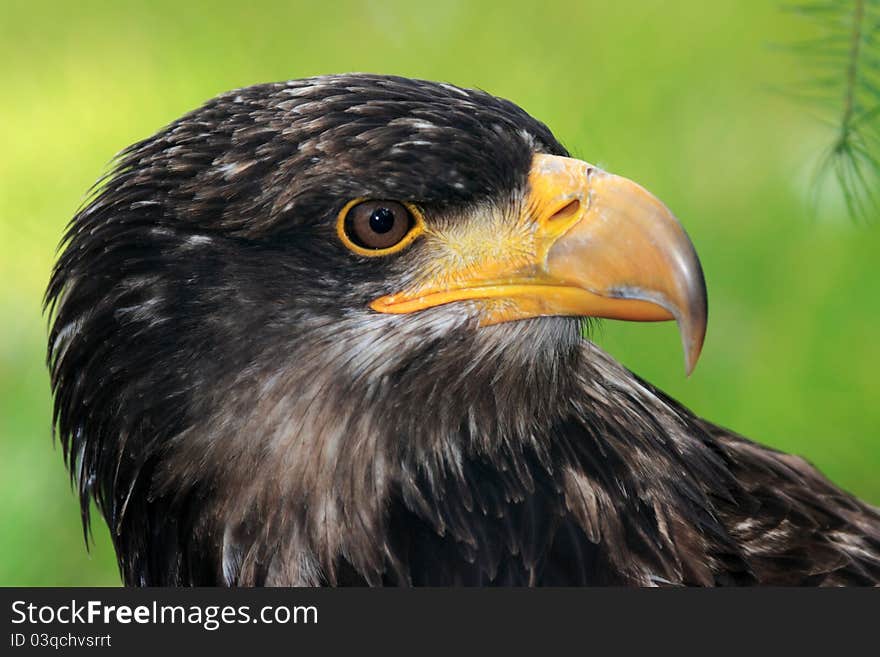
x=377 y=225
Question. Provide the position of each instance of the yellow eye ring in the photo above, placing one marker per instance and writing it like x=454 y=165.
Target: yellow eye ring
x=413 y=230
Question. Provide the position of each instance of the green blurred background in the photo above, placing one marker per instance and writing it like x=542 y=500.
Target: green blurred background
x=672 y=94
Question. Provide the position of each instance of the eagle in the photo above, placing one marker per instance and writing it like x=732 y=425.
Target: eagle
x=331 y=331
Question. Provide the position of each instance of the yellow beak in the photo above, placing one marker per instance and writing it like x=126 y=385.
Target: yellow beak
x=598 y=245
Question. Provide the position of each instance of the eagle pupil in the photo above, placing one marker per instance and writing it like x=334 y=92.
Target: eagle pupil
x=381 y=220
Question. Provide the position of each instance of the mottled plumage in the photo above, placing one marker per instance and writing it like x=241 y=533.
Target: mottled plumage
x=242 y=417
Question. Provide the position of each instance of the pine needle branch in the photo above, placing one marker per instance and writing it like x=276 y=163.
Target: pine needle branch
x=847 y=85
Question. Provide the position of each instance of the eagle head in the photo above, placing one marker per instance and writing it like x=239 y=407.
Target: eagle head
x=304 y=301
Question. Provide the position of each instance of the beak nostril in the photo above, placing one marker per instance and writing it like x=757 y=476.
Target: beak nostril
x=568 y=210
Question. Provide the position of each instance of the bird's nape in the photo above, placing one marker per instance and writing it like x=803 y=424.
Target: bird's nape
x=326 y=331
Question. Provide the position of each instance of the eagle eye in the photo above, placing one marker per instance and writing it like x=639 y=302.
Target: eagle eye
x=378 y=227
